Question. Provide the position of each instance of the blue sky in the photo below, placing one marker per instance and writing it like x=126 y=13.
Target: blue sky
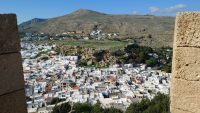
x=28 y=9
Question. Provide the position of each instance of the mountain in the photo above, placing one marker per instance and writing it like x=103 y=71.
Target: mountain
x=32 y=21
x=147 y=29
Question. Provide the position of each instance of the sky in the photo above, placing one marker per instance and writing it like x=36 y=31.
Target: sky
x=29 y=9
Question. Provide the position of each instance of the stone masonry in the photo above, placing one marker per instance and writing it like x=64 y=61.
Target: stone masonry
x=185 y=85
x=12 y=96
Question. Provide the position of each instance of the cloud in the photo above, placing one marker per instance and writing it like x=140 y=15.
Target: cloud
x=135 y=13
x=171 y=9
x=175 y=8
x=153 y=9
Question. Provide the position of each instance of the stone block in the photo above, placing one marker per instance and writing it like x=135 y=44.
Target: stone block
x=11 y=73
x=184 y=87
x=188 y=103
x=187 y=29
x=186 y=63
x=178 y=110
x=13 y=102
x=9 y=39
x=185 y=96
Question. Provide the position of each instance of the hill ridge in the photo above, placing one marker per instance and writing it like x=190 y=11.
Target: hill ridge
x=160 y=28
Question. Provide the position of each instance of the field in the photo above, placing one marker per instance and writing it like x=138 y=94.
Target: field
x=96 y=44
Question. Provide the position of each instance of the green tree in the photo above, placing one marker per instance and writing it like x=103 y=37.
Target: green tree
x=138 y=107
x=112 y=110
x=82 y=108
x=63 y=108
x=151 y=62
x=56 y=100
x=167 y=68
x=159 y=104
x=97 y=108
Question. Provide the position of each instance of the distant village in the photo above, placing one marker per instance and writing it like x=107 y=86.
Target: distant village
x=96 y=34
x=53 y=76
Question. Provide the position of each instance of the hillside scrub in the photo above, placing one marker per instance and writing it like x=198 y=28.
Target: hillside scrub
x=159 y=104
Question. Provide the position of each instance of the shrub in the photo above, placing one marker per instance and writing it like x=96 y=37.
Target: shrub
x=63 y=108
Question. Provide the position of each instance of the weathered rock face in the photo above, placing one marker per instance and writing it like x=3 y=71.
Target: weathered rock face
x=12 y=96
x=185 y=88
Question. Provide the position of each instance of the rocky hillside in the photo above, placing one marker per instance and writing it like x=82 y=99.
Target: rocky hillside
x=32 y=21
x=146 y=29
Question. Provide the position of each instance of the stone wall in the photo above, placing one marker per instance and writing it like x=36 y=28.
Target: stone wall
x=12 y=96
x=185 y=85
